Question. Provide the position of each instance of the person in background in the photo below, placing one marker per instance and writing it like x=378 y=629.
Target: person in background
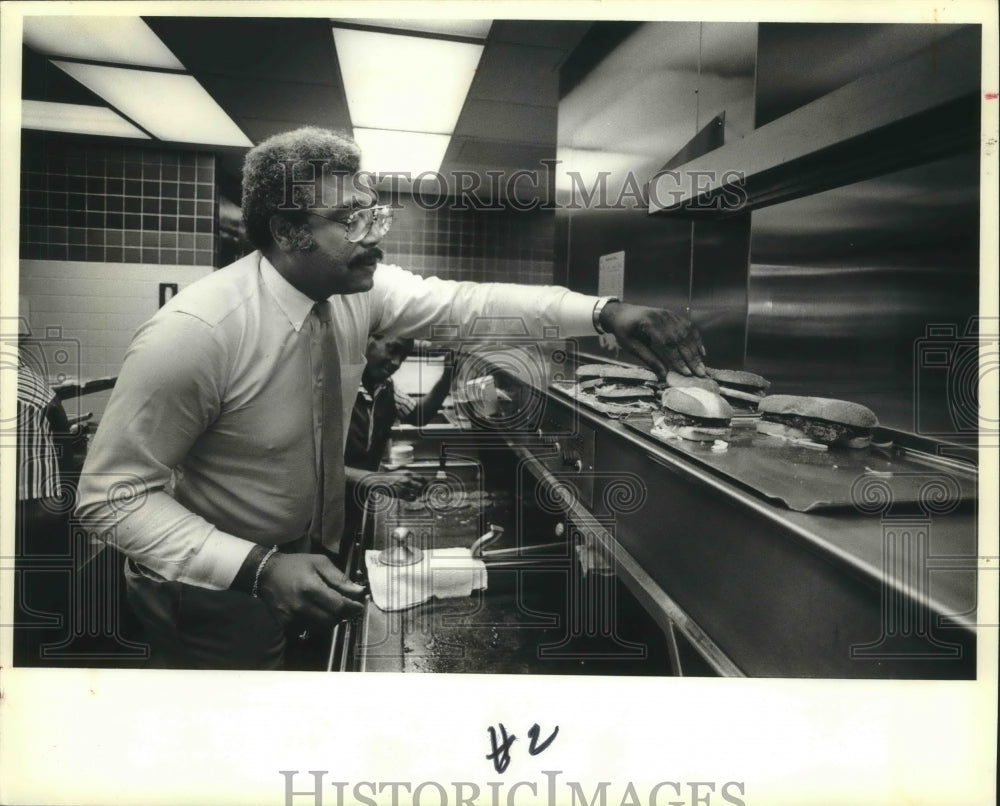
x=225 y=415
x=378 y=407
x=44 y=450
x=45 y=479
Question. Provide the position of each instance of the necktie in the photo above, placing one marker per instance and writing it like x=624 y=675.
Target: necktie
x=328 y=512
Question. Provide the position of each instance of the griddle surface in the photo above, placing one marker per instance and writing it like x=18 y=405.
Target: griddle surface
x=804 y=479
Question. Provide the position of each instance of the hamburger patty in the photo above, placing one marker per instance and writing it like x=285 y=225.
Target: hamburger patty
x=675 y=418
x=821 y=430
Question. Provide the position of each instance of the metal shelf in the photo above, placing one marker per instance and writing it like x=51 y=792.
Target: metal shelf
x=923 y=108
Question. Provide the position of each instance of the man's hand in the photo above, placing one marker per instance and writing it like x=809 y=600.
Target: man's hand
x=661 y=338
x=310 y=588
x=403 y=484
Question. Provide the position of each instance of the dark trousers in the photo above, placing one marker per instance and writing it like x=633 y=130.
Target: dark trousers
x=193 y=628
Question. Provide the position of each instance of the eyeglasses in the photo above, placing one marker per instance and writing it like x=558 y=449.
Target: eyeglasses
x=373 y=220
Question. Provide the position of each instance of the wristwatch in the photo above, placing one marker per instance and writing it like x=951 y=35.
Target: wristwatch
x=597 y=312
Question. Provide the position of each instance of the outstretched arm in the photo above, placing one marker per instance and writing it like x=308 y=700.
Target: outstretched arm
x=411 y=305
x=429 y=404
x=659 y=337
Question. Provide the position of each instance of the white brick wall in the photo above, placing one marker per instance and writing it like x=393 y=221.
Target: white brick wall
x=95 y=308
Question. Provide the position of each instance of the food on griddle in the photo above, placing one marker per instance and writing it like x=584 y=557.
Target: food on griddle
x=620 y=393
x=695 y=414
x=678 y=381
x=817 y=419
x=615 y=373
x=744 y=390
x=615 y=389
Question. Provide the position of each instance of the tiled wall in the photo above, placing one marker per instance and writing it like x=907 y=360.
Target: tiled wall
x=111 y=203
x=481 y=245
x=102 y=226
x=94 y=308
x=431 y=239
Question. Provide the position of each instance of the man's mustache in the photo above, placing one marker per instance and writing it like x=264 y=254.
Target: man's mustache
x=374 y=254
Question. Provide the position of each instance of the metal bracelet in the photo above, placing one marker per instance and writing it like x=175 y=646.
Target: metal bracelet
x=598 y=308
x=254 y=592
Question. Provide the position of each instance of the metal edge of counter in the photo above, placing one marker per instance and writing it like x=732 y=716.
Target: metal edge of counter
x=661 y=608
x=816 y=541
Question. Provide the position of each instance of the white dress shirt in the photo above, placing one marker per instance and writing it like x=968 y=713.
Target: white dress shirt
x=211 y=423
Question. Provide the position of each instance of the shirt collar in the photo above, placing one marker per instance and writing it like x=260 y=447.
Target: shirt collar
x=370 y=396
x=295 y=305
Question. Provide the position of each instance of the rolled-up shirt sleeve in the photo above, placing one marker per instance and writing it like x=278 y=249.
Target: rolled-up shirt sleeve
x=433 y=308
x=169 y=391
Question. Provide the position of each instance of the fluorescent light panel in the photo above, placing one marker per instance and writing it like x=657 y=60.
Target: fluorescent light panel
x=405 y=83
x=383 y=151
x=120 y=40
x=171 y=106
x=473 y=29
x=77 y=119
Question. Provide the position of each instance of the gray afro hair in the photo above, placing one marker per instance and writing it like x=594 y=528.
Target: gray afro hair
x=269 y=186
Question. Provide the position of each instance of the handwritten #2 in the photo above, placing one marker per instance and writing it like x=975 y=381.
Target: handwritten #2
x=500 y=745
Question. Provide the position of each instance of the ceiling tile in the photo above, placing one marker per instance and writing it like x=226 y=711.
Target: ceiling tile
x=273 y=74
x=270 y=74
x=170 y=106
x=471 y=28
x=279 y=49
x=513 y=122
x=495 y=153
x=260 y=128
x=518 y=74
x=43 y=81
x=115 y=39
x=316 y=104
x=560 y=34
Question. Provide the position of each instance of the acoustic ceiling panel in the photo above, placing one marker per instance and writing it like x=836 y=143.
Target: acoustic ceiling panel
x=271 y=74
x=499 y=154
x=508 y=121
x=562 y=35
x=518 y=74
x=43 y=81
x=278 y=100
x=281 y=49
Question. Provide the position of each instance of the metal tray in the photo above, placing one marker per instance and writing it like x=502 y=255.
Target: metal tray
x=869 y=480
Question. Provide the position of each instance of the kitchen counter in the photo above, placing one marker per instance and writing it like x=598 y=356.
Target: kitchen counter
x=539 y=617
x=839 y=592
x=728 y=581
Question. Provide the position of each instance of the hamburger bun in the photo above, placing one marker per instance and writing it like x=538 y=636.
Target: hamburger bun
x=696 y=414
x=744 y=397
x=678 y=381
x=744 y=389
x=827 y=421
x=695 y=402
x=738 y=378
x=614 y=372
